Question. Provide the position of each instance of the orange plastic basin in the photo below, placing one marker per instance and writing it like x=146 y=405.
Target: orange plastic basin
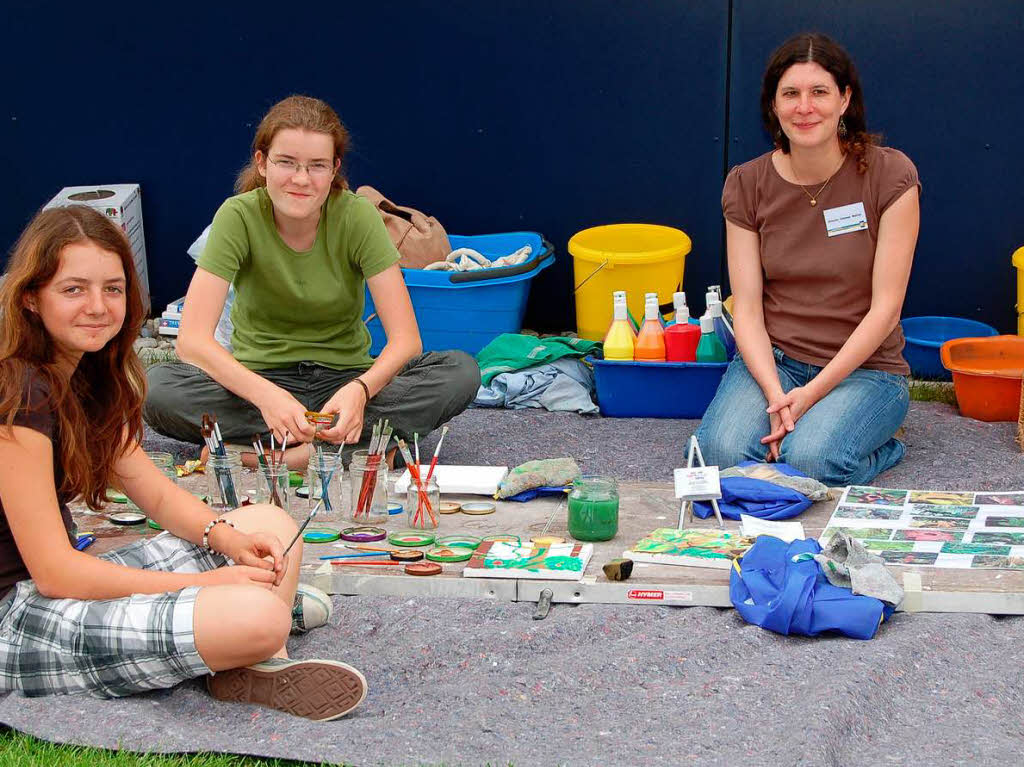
x=986 y=375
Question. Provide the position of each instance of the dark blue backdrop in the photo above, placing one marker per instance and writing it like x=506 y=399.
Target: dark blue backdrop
x=514 y=115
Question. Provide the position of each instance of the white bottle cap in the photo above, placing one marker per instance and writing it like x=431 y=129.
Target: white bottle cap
x=619 y=311
x=678 y=300
x=714 y=304
x=707 y=324
x=651 y=311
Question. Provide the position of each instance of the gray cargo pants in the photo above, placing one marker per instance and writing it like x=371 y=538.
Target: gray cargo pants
x=428 y=391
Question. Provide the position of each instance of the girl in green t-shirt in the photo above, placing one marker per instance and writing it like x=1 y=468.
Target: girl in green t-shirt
x=299 y=248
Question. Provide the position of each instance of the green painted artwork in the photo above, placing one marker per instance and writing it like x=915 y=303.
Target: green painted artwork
x=861 y=533
x=935 y=510
x=502 y=559
x=974 y=548
x=888 y=545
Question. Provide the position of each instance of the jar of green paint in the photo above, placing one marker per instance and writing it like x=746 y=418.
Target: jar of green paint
x=594 y=509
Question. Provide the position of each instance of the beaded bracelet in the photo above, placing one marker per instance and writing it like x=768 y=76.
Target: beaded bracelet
x=209 y=527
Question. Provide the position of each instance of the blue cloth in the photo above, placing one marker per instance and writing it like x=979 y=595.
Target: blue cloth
x=845 y=439
x=536 y=492
x=565 y=384
x=772 y=591
x=757 y=497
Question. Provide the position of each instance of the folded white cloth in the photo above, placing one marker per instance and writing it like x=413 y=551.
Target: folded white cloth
x=467 y=260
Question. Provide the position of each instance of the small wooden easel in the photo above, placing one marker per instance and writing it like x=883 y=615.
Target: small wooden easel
x=697 y=484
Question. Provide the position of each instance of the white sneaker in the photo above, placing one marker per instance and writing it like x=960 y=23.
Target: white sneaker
x=311 y=609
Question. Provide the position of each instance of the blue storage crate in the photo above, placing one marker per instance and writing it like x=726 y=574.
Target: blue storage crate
x=656 y=389
x=468 y=310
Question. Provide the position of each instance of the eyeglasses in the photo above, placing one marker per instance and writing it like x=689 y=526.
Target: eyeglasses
x=314 y=169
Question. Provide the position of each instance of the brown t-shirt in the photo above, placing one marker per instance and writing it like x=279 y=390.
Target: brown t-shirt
x=817 y=288
x=36 y=414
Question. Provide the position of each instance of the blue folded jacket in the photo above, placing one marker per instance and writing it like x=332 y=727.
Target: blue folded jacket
x=757 y=497
x=779 y=586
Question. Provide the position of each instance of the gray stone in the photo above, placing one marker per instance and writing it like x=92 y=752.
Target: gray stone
x=145 y=343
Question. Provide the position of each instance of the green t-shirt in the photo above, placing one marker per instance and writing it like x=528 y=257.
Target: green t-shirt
x=293 y=307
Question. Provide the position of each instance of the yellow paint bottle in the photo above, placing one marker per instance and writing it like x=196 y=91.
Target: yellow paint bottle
x=620 y=338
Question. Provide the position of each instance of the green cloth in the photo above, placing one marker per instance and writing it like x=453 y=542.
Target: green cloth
x=513 y=351
x=293 y=307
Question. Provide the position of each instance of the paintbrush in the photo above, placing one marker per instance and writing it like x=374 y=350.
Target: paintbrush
x=353 y=556
x=261 y=457
x=302 y=527
x=437 y=452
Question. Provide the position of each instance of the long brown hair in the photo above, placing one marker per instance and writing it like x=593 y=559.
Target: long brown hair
x=304 y=113
x=98 y=411
x=830 y=56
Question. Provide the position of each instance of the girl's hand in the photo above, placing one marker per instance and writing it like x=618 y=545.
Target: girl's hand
x=252 y=550
x=284 y=414
x=238 y=575
x=349 y=402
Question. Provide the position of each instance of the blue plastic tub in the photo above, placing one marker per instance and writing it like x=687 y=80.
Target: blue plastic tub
x=925 y=335
x=656 y=389
x=468 y=310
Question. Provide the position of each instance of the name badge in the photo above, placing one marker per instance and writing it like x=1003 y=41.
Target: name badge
x=845 y=219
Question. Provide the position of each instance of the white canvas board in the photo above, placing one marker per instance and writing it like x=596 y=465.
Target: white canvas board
x=460 y=480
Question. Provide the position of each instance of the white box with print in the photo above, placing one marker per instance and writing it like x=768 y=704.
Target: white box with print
x=122 y=204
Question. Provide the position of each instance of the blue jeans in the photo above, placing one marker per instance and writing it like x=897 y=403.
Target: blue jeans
x=845 y=439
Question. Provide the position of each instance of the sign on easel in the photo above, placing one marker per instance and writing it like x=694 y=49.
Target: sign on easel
x=697 y=483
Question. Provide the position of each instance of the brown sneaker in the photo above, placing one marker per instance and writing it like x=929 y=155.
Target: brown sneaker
x=320 y=690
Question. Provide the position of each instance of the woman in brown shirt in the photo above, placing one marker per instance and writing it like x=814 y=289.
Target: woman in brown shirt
x=820 y=235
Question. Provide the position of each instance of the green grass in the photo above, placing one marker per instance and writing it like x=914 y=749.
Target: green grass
x=932 y=391
x=19 y=750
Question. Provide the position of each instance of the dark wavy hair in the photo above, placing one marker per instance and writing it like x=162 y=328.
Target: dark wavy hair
x=830 y=56
x=98 y=411
x=304 y=113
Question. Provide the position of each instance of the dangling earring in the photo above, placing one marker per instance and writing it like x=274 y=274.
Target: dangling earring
x=842 y=128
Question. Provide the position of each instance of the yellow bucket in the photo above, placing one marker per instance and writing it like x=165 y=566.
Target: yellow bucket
x=1018 y=261
x=636 y=258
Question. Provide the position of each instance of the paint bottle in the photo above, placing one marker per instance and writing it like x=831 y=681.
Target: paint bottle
x=681 y=338
x=710 y=348
x=620 y=338
x=722 y=327
x=650 y=343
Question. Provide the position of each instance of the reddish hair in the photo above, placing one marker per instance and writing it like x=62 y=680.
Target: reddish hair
x=302 y=113
x=98 y=411
x=830 y=56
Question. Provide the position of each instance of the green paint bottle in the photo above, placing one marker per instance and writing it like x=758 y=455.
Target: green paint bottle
x=594 y=509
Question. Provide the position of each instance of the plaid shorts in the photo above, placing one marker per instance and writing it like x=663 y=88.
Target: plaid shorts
x=108 y=647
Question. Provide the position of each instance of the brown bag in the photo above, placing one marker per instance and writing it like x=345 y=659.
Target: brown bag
x=420 y=238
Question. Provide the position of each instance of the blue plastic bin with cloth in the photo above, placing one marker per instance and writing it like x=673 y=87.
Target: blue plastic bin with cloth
x=467 y=310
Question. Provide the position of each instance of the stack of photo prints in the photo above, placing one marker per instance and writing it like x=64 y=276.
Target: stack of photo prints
x=941 y=529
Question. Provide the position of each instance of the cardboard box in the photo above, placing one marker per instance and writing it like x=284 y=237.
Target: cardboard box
x=122 y=203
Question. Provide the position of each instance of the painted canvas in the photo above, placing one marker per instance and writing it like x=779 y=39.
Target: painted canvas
x=695 y=548
x=502 y=559
x=876 y=496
